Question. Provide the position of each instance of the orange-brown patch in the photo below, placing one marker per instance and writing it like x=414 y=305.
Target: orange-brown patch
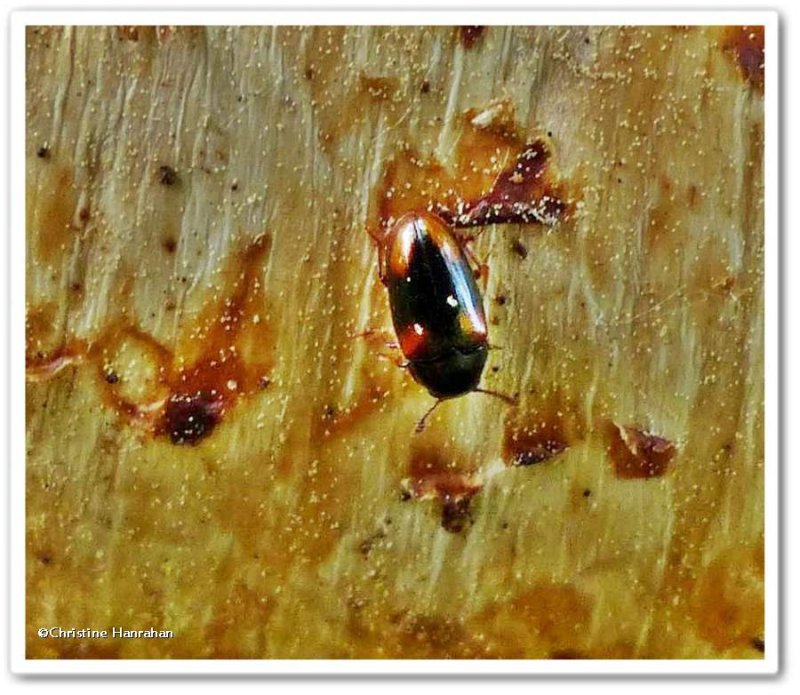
x=558 y=612
x=228 y=351
x=132 y=369
x=418 y=636
x=43 y=366
x=42 y=337
x=728 y=600
x=549 y=620
x=378 y=88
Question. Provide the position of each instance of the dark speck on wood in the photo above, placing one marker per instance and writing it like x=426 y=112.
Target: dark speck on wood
x=167 y=175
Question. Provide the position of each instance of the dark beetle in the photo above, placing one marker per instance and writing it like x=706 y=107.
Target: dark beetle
x=437 y=310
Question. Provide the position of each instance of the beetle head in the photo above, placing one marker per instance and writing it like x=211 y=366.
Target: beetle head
x=453 y=374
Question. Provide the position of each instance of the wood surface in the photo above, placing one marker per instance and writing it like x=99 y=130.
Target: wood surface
x=219 y=441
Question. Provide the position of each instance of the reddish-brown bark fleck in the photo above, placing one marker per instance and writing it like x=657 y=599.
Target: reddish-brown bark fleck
x=433 y=476
x=637 y=453
x=745 y=46
x=470 y=36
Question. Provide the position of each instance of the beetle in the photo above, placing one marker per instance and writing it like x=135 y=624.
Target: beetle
x=436 y=307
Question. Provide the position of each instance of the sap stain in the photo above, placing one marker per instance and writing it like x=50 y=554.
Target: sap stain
x=727 y=602
x=181 y=393
x=416 y=635
x=471 y=36
x=431 y=475
x=51 y=220
x=228 y=352
x=548 y=620
x=543 y=436
x=189 y=418
x=529 y=445
x=377 y=87
x=519 y=249
x=745 y=46
x=132 y=369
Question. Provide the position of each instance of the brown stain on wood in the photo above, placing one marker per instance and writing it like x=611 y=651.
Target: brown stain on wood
x=224 y=355
x=471 y=36
x=41 y=333
x=727 y=603
x=525 y=446
x=551 y=429
x=51 y=221
x=745 y=47
x=135 y=33
x=183 y=394
x=549 y=620
x=364 y=97
x=243 y=608
x=132 y=370
x=636 y=453
x=378 y=88
x=418 y=635
x=432 y=475
x=332 y=422
x=559 y=613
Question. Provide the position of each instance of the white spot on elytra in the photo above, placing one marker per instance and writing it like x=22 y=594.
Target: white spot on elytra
x=451 y=300
x=418 y=329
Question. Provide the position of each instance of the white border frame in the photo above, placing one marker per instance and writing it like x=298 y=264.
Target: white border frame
x=21 y=665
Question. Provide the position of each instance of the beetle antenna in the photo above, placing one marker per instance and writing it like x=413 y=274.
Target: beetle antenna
x=496 y=394
x=421 y=424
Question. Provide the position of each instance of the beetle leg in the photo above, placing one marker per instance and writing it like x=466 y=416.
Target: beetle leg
x=421 y=424
x=373 y=335
x=480 y=267
x=403 y=364
x=378 y=237
x=502 y=396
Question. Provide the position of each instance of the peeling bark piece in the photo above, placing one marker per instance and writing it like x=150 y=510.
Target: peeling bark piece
x=474 y=190
x=639 y=454
x=520 y=195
